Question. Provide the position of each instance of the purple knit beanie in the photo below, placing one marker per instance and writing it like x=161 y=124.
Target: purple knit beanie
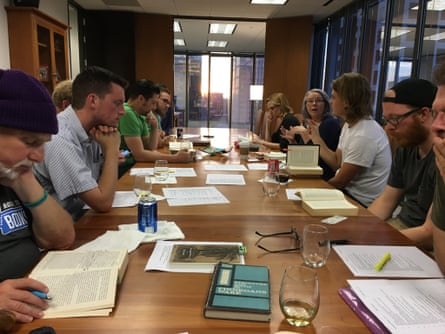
x=25 y=103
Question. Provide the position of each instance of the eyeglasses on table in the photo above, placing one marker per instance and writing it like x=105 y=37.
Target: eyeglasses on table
x=292 y=233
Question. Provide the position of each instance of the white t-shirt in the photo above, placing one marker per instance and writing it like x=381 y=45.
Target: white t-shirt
x=365 y=144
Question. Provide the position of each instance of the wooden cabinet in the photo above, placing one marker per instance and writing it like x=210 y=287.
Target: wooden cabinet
x=38 y=45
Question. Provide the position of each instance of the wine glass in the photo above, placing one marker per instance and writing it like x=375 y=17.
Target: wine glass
x=142 y=185
x=299 y=295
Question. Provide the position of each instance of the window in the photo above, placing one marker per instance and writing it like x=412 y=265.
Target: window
x=213 y=90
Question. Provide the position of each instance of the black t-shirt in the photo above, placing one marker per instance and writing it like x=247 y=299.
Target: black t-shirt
x=288 y=121
x=18 y=250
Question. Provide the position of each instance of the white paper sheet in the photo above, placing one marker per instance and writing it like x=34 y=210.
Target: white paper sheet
x=129 y=237
x=405 y=306
x=291 y=194
x=258 y=166
x=233 y=167
x=227 y=179
x=175 y=171
x=406 y=261
x=194 y=196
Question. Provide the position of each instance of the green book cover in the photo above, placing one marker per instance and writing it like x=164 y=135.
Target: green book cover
x=239 y=292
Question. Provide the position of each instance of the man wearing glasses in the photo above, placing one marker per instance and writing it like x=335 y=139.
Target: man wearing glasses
x=408 y=121
x=162 y=107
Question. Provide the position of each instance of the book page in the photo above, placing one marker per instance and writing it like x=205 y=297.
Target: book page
x=320 y=194
x=80 y=291
x=77 y=260
x=335 y=204
x=302 y=155
x=405 y=306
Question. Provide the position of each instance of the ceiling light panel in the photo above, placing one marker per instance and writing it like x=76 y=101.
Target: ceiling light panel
x=222 y=28
x=268 y=2
x=178 y=42
x=216 y=44
x=177 y=26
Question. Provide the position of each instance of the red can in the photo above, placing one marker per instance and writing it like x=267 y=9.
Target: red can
x=273 y=167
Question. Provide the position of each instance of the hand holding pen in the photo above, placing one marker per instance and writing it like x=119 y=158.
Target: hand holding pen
x=16 y=297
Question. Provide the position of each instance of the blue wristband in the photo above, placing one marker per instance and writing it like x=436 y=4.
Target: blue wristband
x=42 y=199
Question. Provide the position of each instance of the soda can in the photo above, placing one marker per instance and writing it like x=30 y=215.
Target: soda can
x=148 y=215
x=179 y=132
x=273 y=167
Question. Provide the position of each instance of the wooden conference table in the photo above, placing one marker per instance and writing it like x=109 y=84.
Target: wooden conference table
x=164 y=302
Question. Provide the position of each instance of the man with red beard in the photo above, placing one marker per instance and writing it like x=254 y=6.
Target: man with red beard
x=30 y=219
x=408 y=118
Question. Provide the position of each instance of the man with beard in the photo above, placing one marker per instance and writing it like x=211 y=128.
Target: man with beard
x=408 y=118
x=30 y=219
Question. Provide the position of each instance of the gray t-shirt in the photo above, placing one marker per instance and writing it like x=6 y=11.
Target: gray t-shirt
x=18 y=250
x=417 y=178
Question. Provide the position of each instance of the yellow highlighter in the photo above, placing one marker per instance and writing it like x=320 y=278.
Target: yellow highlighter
x=379 y=265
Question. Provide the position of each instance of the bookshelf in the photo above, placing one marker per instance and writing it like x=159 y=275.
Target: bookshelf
x=38 y=45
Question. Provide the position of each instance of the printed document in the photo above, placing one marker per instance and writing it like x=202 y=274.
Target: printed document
x=194 y=196
x=406 y=261
x=226 y=179
x=405 y=306
x=220 y=167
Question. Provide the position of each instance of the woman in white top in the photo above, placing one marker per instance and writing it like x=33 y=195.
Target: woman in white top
x=363 y=156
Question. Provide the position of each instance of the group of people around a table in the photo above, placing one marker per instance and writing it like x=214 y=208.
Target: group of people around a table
x=52 y=164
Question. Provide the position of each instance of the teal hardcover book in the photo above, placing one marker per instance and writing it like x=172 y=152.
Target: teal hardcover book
x=239 y=292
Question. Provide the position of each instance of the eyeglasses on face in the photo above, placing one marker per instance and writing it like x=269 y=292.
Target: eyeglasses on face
x=292 y=233
x=394 y=121
x=166 y=101
x=311 y=101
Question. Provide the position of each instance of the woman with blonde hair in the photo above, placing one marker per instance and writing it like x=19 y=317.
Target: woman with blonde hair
x=278 y=114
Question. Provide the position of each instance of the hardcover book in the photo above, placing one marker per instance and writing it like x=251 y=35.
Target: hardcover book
x=239 y=292
x=81 y=283
x=303 y=160
x=326 y=202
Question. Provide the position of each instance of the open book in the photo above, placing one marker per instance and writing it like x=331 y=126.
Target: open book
x=303 y=160
x=81 y=283
x=326 y=202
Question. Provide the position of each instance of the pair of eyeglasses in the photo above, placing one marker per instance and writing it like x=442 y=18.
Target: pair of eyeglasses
x=166 y=101
x=292 y=233
x=315 y=101
x=394 y=121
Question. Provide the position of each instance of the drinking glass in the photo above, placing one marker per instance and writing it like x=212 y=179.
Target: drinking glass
x=161 y=170
x=299 y=295
x=316 y=245
x=142 y=185
x=271 y=184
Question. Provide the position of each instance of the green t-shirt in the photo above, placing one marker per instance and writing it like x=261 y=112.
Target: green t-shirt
x=132 y=125
x=439 y=203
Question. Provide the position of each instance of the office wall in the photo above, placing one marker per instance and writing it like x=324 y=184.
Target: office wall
x=154 y=51
x=287 y=58
x=110 y=41
x=56 y=9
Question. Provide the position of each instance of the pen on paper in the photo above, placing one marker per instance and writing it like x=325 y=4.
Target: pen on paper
x=40 y=294
x=385 y=258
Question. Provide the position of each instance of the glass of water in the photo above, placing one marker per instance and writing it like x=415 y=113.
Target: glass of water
x=316 y=246
x=161 y=170
x=142 y=185
x=299 y=295
x=271 y=184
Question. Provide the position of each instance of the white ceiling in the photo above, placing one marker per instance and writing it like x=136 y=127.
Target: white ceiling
x=195 y=16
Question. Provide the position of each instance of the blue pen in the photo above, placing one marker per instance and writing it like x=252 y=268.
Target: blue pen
x=40 y=294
